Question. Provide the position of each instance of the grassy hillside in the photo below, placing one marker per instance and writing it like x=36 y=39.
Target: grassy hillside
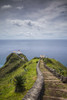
x=60 y=68
x=27 y=70
x=13 y=61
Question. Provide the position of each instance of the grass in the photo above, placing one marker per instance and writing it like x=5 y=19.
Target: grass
x=23 y=56
x=7 y=88
x=60 y=68
x=12 y=63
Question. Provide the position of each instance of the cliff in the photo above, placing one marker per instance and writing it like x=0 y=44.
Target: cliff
x=13 y=61
x=17 y=65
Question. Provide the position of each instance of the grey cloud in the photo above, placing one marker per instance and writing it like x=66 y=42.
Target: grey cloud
x=30 y=24
x=6 y=7
x=63 y=5
x=17 y=24
x=27 y=34
x=48 y=34
x=17 y=0
x=25 y=23
x=44 y=17
x=19 y=8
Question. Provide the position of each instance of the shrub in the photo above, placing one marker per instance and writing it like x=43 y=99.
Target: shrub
x=36 y=61
x=30 y=62
x=36 y=58
x=19 y=83
x=24 y=66
x=47 y=60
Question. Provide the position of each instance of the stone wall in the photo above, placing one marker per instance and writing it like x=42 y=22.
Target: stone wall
x=36 y=92
x=62 y=78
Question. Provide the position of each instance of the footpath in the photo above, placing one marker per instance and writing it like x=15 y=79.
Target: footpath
x=54 y=88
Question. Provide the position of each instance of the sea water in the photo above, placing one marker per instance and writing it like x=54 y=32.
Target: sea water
x=56 y=49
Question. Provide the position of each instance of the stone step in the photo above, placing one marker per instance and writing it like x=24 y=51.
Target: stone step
x=54 y=88
x=53 y=98
x=52 y=80
x=55 y=92
x=63 y=90
x=55 y=85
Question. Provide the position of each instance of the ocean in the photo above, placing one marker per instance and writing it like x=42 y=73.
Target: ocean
x=56 y=49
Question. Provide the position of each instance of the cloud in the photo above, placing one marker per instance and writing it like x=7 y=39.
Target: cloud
x=17 y=0
x=37 y=21
x=6 y=7
x=19 y=8
x=26 y=23
x=48 y=24
x=28 y=34
x=30 y=23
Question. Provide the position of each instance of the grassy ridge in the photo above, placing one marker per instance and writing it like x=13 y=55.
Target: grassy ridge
x=7 y=88
x=60 y=68
x=12 y=63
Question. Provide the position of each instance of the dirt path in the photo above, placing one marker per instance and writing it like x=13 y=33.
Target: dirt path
x=54 y=88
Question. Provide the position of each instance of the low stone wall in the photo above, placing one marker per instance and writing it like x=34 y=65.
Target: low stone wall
x=62 y=78
x=36 y=92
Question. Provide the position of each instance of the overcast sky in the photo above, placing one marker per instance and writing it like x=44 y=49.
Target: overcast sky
x=33 y=19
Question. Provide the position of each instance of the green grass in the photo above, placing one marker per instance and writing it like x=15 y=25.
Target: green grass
x=7 y=88
x=12 y=63
x=23 y=56
x=60 y=68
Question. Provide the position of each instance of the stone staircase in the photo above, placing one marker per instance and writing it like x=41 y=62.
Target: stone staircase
x=54 y=88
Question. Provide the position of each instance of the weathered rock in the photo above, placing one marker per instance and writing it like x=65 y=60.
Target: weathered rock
x=64 y=79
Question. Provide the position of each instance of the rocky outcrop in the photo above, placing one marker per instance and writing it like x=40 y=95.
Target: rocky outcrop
x=36 y=92
x=62 y=78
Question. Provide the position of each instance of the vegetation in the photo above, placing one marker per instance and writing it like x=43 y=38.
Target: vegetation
x=18 y=75
x=23 y=56
x=36 y=58
x=60 y=68
x=19 y=83
x=26 y=72
x=12 y=63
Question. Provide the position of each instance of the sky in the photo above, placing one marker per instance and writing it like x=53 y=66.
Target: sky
x=33 y=19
